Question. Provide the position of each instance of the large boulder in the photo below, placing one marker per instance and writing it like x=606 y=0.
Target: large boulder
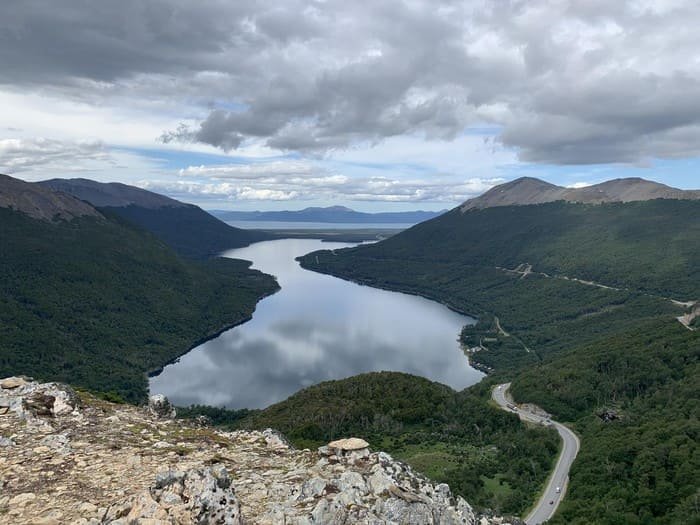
x=10 y=383
x=160 y=407
x=350 y=450
x=382 y=490
x=31 y=400
x=202 y=495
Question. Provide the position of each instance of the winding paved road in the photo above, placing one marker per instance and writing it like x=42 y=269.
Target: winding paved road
x=550 y=499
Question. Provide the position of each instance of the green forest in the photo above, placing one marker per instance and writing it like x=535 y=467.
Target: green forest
x=612 y=361
x=635 y=401
x=644 y=246
x=98 y=303
x=189 y=230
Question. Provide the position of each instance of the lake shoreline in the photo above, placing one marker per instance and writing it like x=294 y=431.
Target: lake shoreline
x=390 y=289
x=155 y=372
x=477 y=366
x=320 y=328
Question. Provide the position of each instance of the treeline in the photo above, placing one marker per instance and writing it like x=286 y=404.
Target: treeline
x=219 y=416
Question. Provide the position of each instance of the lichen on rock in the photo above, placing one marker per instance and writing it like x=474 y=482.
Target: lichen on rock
x=106 y=463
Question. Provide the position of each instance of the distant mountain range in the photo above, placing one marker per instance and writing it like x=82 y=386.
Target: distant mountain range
x=528 y=190
x=331 y=214
x=188 y=229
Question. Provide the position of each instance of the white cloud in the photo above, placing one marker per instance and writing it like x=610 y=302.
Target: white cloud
x=332 y=187
x=46 y=155
x=374 y=97
x=566 y=82
x=577 y=185
x=251 y=171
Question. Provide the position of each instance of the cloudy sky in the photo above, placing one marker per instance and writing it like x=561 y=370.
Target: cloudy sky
x=388 y=105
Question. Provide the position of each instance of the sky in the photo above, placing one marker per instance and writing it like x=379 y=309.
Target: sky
x=380 y=106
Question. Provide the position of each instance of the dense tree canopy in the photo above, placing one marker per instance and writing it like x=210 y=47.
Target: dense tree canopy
x=98 y=303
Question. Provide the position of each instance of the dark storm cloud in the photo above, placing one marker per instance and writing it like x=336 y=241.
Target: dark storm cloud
x=568 y=82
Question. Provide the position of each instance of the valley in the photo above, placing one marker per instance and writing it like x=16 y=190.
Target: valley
x=350 y=263
x=586 y=329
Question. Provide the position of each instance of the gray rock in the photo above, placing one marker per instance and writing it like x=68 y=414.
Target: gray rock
x=31 y=401
x=201 y=495
x=10 y=383
x=275 y=440
x=168 y=477
x=312 y=488
x=379 y=482
x=352 y=480
x=160 y=407
x=39 y=403
x=57 y=442
x=66 y=400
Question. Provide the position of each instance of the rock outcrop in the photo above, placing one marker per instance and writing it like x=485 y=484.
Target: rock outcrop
x=201 y=495
x=160 y=407
x=69 y=458
x=41 y=203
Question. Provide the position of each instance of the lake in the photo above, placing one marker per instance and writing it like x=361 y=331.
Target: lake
x=316 y=328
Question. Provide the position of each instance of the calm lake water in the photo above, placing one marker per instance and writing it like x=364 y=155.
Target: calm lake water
x=316 y=328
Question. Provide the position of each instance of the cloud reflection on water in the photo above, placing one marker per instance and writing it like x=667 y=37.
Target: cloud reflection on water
x=315 y=329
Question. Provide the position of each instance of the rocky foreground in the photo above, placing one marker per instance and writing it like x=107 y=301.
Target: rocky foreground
x=71 y=458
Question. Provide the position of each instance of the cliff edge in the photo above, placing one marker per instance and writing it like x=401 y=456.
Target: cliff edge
x=68 y=457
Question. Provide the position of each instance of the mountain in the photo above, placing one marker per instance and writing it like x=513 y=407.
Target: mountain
x=528 y=190
x=188 y=229
x=111 y=194
x=332 y=214
x=92 y=300
x=41 y=203
x=578 y=305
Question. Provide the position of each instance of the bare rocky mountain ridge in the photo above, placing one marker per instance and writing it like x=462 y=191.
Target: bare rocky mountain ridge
x=71 y=458
x=528 y=190
x=111 y=194
x=41 y=203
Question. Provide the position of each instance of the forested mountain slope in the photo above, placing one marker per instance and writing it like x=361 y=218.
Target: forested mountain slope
x=574 y=305
x=96 y=302
x=650 y=246
x=188 y=229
